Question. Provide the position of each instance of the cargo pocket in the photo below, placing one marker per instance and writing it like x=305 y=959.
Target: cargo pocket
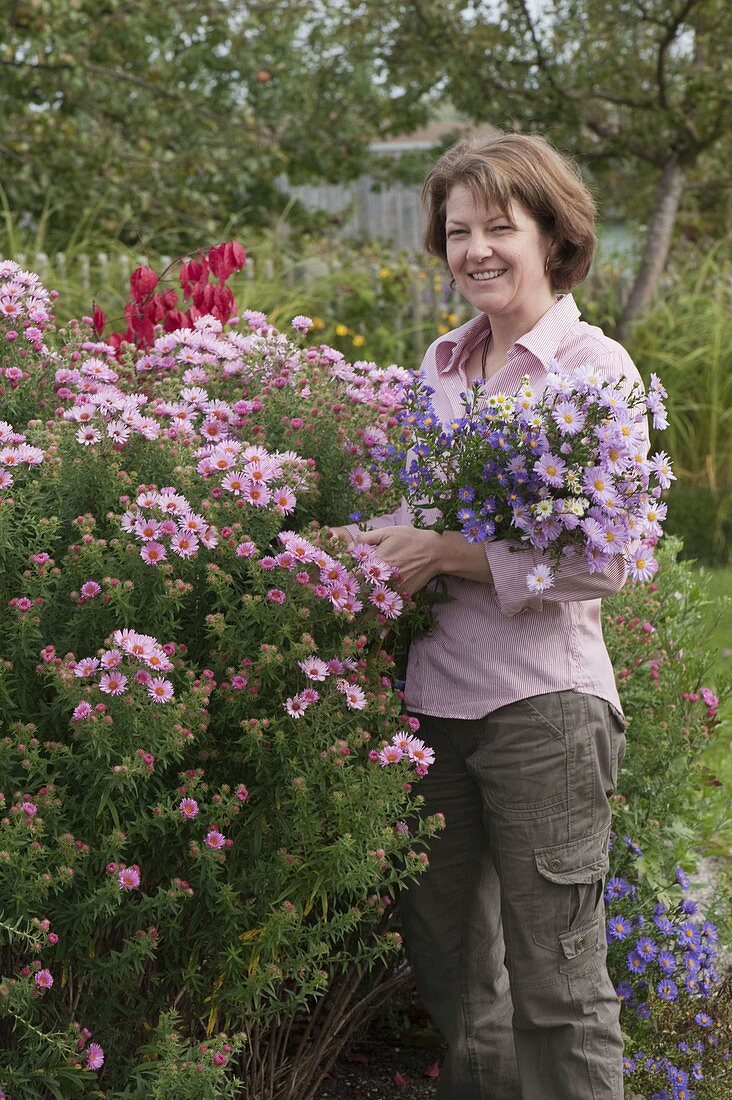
x=566 y=893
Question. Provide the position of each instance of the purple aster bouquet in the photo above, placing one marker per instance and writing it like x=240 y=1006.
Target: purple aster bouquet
x=563 y=470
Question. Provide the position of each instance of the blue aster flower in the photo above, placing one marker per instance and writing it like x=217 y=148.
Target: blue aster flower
x=664 y=925
x=697 y=1072
x=618 y=928
x=466 y=515
x=667 y=962
x=704 y=1019
x=633 y=846
x=689 y=935
x=629 y=1065
x=615 y=889
x=689 y=907
x=636 y=963
x=466 y=493
x=624 y=992
x=667 y=989
x=646 y=948
x=682 y=878
x=643 y=1011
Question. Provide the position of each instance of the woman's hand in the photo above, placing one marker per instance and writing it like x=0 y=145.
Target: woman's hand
x=413 y=553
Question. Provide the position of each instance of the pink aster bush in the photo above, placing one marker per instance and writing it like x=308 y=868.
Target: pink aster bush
x=203 y=752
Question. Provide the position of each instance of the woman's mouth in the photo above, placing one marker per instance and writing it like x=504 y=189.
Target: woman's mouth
x=486 y=276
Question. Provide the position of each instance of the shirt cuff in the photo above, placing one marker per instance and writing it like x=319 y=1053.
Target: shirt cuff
x=509 y=569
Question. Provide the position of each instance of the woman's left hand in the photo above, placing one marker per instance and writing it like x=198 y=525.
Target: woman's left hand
x=414 y=553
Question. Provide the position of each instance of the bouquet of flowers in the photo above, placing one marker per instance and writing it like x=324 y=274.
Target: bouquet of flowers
x=563 y=471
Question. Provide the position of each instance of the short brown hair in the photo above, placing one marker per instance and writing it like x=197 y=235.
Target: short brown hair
x=527 y=168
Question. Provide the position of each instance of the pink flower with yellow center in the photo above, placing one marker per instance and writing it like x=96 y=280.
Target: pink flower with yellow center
x=128 y=878
x=160 y=690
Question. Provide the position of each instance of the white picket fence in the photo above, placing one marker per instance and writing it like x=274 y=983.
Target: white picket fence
x=391 y=214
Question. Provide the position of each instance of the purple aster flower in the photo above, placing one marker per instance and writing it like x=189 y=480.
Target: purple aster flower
x=636 y=963
x=667 y=962
x=689 y=907
x=646 y=948
x=689 y=935
x=663 y=924
x=667 y=989
x=704 y=1019
x=682 y=878
x=633 y=846
x=624 y=992
x=616 y=888
x=643 y=1011
x=708 y=932
x=618 y=928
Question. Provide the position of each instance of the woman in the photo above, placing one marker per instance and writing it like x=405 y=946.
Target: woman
x=514 y=691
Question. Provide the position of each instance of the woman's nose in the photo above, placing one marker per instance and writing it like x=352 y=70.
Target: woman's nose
x=479 y=248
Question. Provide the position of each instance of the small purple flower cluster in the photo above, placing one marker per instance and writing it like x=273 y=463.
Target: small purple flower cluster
x=667 y=967
x=563 y=470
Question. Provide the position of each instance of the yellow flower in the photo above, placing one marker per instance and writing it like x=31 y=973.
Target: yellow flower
x=442 y=329
x=359 y=341
x=452 y=318
x=341 y=330
x=384 y=272
x=318 y=322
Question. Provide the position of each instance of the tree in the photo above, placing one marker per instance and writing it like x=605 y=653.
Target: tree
x=640 y=90
x=180 y=114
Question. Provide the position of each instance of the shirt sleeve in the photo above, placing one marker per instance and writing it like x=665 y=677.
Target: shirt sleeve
x=510 y=562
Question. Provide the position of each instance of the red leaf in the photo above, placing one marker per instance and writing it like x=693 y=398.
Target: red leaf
x=99 y=320
x=192 y=273
x=399 y=1080
x=142 y=281
x=226 y=258
x=433 y=1070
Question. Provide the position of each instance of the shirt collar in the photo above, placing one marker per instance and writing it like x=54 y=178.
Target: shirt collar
x=541 y=341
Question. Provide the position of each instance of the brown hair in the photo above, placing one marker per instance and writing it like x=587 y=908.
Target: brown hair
x=527 y=168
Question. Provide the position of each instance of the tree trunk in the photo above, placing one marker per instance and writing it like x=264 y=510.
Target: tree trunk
x=657 y=244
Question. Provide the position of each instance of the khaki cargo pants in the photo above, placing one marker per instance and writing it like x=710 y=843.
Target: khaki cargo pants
x=506 y=929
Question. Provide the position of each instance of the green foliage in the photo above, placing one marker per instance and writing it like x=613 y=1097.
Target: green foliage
x=657 y=638
x=174 y=116
x=686 y=338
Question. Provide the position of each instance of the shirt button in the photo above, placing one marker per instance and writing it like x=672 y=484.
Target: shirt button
x=555 y=864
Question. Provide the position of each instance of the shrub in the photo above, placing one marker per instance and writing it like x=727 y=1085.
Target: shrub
x=201 y=832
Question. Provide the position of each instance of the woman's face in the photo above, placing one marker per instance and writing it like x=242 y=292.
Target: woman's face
x=498 y=262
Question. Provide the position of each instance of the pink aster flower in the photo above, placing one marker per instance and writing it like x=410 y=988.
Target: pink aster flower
x=388 y=602
x=238 y=682
x=111 y=659
x=360 y=479
x=314 y=668
x=81 y=711
x=390 y=754
x=128 y=878
x=257 y=494
x=188 y=807
x=152 y=553
x=302 y=324
x=309 y=695
x=421 y=754
x=160 y=690
x=214 y=839
x=112 y=683
x=94 y=1056
x=355 y=697
x=88 y=436
x=284 y=500
x=87 y=666
x=43 y=979
x=89 y=590
x=184 y=544
x=295 y=706
x=276 y=595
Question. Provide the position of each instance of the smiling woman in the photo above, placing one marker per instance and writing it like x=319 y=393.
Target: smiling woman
x=513 y=689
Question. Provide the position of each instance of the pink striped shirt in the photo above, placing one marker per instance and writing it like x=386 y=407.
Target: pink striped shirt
x=495 y=643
